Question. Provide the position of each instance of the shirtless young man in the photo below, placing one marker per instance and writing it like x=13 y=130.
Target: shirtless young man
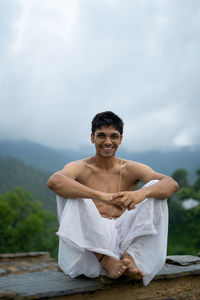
x=110 y=183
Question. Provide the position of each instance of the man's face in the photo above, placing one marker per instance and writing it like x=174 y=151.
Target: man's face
x=106 y=139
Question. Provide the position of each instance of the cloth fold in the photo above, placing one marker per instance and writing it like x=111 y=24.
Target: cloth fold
x=141 y=232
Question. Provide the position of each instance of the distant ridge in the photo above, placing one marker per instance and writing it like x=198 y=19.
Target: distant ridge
x=37 y=155
x=15 y=173
x=48 y=159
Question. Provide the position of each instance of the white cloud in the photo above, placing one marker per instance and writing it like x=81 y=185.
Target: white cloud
x=63 y=63
x=187 y=137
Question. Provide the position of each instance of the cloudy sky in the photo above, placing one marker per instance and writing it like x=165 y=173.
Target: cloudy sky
x=63 y=61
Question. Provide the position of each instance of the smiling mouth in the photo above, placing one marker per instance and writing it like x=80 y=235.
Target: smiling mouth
x=107 y=149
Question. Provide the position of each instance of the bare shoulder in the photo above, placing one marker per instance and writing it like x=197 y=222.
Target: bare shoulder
x=142 y=171
x=136 y=165
x=74 y=169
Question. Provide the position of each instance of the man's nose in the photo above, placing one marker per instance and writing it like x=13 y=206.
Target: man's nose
x=108 y=140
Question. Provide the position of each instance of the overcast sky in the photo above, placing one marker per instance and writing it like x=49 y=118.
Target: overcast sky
x=63 y=61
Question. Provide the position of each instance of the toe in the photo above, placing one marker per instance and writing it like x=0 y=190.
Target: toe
x=116 y=275
x=126 y=261
x=141 y=274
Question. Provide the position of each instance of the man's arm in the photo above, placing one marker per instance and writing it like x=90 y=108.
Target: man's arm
x=164 y=188
x=64 y=183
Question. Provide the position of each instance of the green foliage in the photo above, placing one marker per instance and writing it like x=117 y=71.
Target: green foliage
x=24 y=225
x=196 y=195
x=184 y=225
x=184 y=230
x=180 y=176
x=15 y=172
x=185 y=193
x=197 y=182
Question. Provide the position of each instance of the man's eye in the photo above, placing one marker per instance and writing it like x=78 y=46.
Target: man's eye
x=101 y=136
x=114 y=136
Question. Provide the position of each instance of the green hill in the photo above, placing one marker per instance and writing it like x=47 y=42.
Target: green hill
x=14 y=172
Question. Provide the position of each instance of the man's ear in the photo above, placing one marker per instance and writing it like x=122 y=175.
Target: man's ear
x=92 y=138
x=121 y=138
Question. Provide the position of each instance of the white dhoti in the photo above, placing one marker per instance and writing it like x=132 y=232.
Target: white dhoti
x=141 y=232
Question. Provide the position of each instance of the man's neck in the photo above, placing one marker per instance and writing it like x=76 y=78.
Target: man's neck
x=104 y=163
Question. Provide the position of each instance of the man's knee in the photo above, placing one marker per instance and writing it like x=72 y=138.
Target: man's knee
x=155 y=202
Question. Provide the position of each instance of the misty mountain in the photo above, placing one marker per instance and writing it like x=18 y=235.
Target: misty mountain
x=15 y=173
x=48 y=159
x=36 y=155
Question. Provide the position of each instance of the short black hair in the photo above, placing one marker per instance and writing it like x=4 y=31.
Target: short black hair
x=107 y=118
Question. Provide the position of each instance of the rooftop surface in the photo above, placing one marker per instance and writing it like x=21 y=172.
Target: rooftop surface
x=37 y=276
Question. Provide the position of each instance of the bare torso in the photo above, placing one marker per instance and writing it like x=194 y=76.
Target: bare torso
x=108 y=181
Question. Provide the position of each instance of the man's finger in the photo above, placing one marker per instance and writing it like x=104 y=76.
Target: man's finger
x=119 y=202
x=127 y=203
x=116 y=199
x=131 y=206
x=117 y=195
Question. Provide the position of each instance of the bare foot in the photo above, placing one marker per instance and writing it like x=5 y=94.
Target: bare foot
x=114 y=268
x=132 y=271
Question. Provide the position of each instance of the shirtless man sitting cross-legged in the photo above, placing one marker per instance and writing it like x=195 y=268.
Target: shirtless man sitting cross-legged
x=106 y=225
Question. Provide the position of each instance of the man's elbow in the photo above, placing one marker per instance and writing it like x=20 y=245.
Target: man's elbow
x=174 y=185
x=52 y=182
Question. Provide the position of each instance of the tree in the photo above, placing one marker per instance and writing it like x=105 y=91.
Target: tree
x=197 y=182
x=185 y=193
x=16 y=173
x=24 y=225
x=180 y=176
x=184 y=225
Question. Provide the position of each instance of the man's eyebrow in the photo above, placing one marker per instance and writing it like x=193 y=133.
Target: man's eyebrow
x=105 y=133
x=100 y=132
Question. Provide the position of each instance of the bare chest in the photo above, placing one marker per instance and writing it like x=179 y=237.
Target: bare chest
x=110 y=182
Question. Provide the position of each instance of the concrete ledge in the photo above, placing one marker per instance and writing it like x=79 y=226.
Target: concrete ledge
x=23 y=254
x=179 y=279
x=26 y=263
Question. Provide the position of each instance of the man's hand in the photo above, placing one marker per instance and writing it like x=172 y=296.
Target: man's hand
x=107 y=199
x=128 y=199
